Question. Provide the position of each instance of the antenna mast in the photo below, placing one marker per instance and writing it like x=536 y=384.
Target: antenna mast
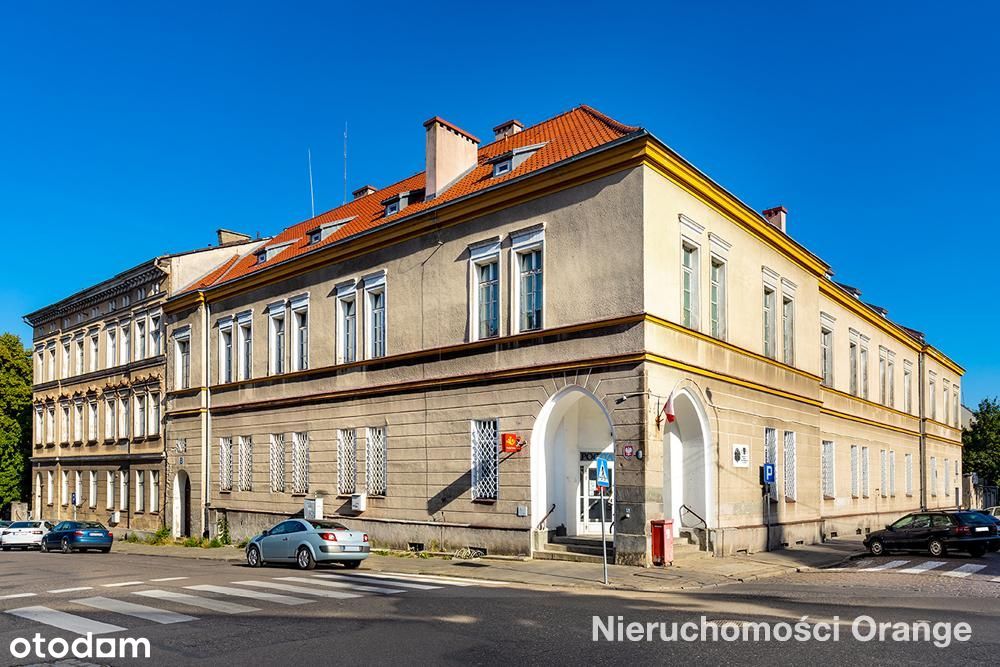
x=312 y=196
x=345 y=162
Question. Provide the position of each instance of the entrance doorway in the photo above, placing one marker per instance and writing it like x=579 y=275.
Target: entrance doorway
x=591 y=496
x=689 y=469
x=182 y=505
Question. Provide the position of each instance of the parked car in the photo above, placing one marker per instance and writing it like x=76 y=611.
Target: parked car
x=70 y=536
x=995 y=511
x=937 y=532
x=23 y=535
x=306 y=542
x=995 y=545
x=4 y=523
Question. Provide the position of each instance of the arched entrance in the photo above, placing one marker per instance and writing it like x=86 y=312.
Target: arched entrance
x=688 y=467
x=182 y=505
x=573 y=429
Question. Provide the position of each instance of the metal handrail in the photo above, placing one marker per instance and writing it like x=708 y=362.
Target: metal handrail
x=685 y=508
x=546 y=517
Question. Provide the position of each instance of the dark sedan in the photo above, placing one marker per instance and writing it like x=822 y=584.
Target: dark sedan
x=936 y=532
x=70 y=536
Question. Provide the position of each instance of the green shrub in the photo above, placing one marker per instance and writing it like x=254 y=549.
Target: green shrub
x=191 y=542
x=222 y=524
x=213 y=543
x=161 y=536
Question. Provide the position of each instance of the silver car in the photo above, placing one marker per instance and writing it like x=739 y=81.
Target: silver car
x=24 y=535
x=306 y=542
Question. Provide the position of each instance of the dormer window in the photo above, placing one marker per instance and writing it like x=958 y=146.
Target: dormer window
x=392 y=208
x=512 y=159
x=502 y=167
x=261 y=255
x=397 y=203
x=324 y=231
x=269 y=253
x=314 y=237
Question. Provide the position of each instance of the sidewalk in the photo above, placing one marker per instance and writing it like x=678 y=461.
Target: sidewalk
x=691 y=572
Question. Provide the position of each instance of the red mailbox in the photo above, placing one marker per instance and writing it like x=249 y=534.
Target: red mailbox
x=662 y=531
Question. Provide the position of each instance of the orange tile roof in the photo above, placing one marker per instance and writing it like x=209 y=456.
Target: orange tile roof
x=567 y=135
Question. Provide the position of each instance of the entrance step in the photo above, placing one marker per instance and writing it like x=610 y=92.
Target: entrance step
x=547 y=554
x=586 y=549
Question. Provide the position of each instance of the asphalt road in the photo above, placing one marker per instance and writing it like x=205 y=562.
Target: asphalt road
x=413 y=620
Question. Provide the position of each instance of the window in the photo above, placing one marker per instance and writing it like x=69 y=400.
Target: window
x=110 y=420
x=140 y=340
x=788 y=329
x=826 y=355
x=529 y=293
x=892 y=473
x=347 y=340
x=79 y=356
x=347 y=457
x=864 y=370
x=225 y=464
x=125 y=348
x=502 y=167
x=865 y=478
x=64 y=489
x=375 y=461
x=277 y=460
x=486 y=291
x=771 y=456
x=64 y=434
x=689 y=285
x=49 y=488
x=245 y=467
x=78 y=422
x=182 y=369
x=154 y=413
x=855 y=472
x=123 y=418
x=485 y=460
x=92 y=495
x=717 y=298
x=123 y=491
x=883 y=471
x=947 y=477
x=140 y=490
x=245 y=343
x=932 y=397
x=154 y=335
x=276 y=356
x=92 y=421
x=154 y=490
x=140 y=416
x=891 y=371
x=957 y=401
x=934 y=476
x=375 y=296
x=94 y=352
x=78 y=488
x=883 y=387
x=828 y=482
x=300 y=463
x=65 y=360
x=300 y=334
x=853 y=350
x=109 y=490
x=908 y=473
x=112 y=337
x=50 y=426
x=39 y=432
x=946 y=391
x=907 y=388
x=391 y=208
x=790 y=465
x=226 y=353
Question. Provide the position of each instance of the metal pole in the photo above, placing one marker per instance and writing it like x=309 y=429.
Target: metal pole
x=604 y=543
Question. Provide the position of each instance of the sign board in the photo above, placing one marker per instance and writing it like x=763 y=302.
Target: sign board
x=510 y=443
x=312 y=508
x=628 y=450
x=603 y=478
x=73 y=500
x=768 y=473
x=741 y=456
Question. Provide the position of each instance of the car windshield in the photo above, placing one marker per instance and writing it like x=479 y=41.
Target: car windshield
x=973 y=519
x=327 y=525
x=905 y=521
x=91 y=524
x=23 y=524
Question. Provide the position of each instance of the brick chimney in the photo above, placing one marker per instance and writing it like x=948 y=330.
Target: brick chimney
x=778 y=217
x=364 y=191
x=451 y=152
x=504 y=130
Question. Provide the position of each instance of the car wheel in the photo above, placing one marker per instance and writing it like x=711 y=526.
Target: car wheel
x=936 y=547
x=304 y=559
x=66 y=548
x=6 y=548
x=977 y=551
x=876 y=548
x=43 y=547
x=352 y=564
x=253 y=557
x=106 y=551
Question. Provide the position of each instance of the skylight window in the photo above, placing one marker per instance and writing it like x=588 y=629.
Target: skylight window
x=501 y=168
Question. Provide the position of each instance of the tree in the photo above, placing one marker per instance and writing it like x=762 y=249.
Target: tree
x=981 y=443
x=15 y=419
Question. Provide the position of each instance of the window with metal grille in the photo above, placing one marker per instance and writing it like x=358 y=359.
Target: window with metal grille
x=908 y=474
x=883 y=465
x=277 y=460
x=934 y=476
x=790 y=465
x=485 y=460
x=347 y=461
x=855 y=469
x=375 y=461
x=225 y=464
x=771 y=456
x=865 y=479
x=829 y=487
x=246 y=463
x=892 y=473
x=300 y=463
x=947 y=477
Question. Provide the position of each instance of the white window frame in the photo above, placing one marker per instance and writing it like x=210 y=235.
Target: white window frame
x=275 y=340
x=347 y=350
x=244 y=469
x=522 y=243
x=890 y=369
x=375 y=285
x=690 y=284
x=907 y=386
x=182 y=362
x=78 y=421
x=109 y=489
x=769 y=306
x=934 y=477
x=226 y=344
x=932 y=395
x=124 y=417
x=947 y=477
x=828 y=469
x=300 y=462
x=64 y=488
x=125 y=347
x=226 y=464
x=299 y=309
x=791 y=466
x=154 y=491
x=480 y=256
x=139 y=416
x=485 y=452
x=111 y=345
x=865 y=472
x=123 y=491
x=718 y=297
x=79 y=350
x=883 y=465
x=892 y=473
x=787 y=328
x=140 y=338
x=49 y=488
x=376 y=461
x=140 y=490
x=883 y=376
x=95 y=351
x=863 y=361
x=39 y=433
x=154 y=414
x=110 y=417
x=276 y=460
x=908 y=473
x=64 y=424
x=244 y=343
x=92 y=487
x=347 y=461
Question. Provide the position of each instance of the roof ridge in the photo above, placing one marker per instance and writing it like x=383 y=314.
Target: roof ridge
x=608 y=120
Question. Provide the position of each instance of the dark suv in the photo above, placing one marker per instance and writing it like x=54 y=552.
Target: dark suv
x=937 y=532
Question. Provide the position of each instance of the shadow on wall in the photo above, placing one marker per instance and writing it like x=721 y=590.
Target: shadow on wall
x=443 y=498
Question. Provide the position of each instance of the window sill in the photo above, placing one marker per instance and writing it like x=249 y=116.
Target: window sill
x=485 y=501
x=826 y=497
x=789 y=500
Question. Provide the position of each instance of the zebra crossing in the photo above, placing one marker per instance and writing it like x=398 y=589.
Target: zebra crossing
x=235 y=597
x=957 y=569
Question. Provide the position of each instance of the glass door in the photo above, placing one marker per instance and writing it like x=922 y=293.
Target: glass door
x=590 y=499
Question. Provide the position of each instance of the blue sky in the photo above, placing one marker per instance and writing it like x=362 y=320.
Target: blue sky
x=127 y=130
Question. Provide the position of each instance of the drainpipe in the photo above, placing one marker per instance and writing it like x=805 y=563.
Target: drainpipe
x=205 y=404
x=921 y=370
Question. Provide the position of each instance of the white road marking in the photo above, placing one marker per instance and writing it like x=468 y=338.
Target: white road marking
x=965 y=570
x=170 y=579
x=403 y=584
x=123 y=583
x=299 y=589
x=924 y=567
x=885 y=566
x=344 y=584
x=138 y=610
x=422 y=578
x=64 y=621
x=13 y=596
x=246 y=593
x=195 y=601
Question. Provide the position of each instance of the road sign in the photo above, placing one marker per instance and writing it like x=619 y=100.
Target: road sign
x=768 y=473
x=603 y=478
x=74 y=498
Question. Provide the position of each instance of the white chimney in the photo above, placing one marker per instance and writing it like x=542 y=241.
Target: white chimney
x=504 y=130
x=451 y=153
x=778 y=217
x=364 y=191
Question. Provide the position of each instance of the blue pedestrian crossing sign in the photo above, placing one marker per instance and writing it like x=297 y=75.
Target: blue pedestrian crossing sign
x=603 y=478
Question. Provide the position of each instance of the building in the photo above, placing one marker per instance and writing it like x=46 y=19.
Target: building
x=444 y=359
x=99 y=365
